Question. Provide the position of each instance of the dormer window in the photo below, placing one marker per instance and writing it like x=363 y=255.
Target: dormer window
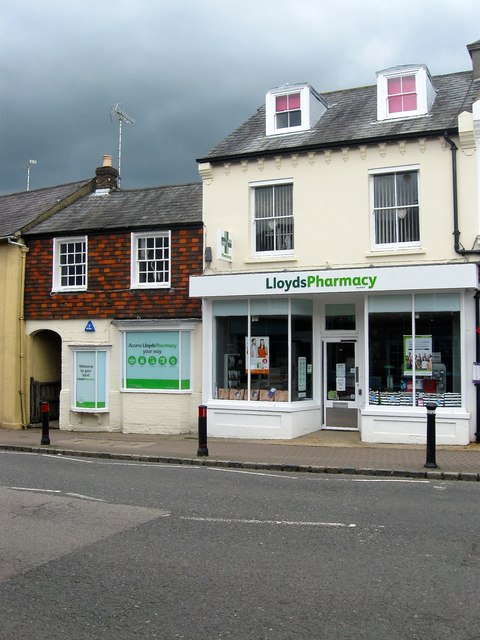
x=287 y=111
x=292 y=108
x=401 y=94
x=404 y=91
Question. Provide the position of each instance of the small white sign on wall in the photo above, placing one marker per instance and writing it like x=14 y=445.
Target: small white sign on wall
x=224 y=245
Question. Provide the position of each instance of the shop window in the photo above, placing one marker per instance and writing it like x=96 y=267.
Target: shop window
x=273 y=219
x=90 y=380
x=340 y=317
x=231 y=331
x=414 y=350
x=301 y=365
x=156 y=361
x=396 y=214
x=253 y=360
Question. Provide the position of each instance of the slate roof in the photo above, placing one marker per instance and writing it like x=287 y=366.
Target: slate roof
x=128 y=209
x=351 y=117
x=20 y=209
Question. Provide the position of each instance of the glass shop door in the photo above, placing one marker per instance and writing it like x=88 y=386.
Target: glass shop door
x=341 y=378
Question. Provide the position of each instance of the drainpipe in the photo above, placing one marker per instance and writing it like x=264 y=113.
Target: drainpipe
x=477 y=359
x=465 y=252
x=456 y=232
x=21 y=318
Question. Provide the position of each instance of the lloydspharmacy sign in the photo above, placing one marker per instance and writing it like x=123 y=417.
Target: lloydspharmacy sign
x=319 y=282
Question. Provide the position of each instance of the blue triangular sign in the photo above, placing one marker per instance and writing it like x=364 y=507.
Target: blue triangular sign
x=89 y=326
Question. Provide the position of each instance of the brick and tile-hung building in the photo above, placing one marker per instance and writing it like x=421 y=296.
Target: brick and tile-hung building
x=342 y=290
x=109 y=277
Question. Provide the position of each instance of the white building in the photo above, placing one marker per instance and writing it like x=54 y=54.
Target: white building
x=341 y=247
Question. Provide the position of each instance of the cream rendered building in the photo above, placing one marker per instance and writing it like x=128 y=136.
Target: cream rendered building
x=340 y=284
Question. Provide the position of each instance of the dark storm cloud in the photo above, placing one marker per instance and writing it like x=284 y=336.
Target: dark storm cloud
x=189 y=72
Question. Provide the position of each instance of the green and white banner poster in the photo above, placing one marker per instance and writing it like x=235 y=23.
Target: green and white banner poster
x=90 y=379
x=157 y=360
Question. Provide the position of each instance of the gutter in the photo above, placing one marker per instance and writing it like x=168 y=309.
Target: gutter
x=316 y=146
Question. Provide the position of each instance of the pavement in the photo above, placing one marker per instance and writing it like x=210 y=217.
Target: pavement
x=320 y=452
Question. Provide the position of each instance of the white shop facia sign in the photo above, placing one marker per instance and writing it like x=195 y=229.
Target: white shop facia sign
x=372 y=280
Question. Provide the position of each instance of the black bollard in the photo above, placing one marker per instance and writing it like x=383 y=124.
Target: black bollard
x=430 y=462
x=45 y=423
x=202 y=431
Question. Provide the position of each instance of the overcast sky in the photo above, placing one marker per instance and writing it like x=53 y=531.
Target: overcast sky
x=189 y=72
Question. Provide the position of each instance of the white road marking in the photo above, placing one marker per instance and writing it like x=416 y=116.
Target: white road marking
x=56 y=491
x=254 y=473
x=405 y=480
x=277 y=522
x=82 y=497
x=37 y=490
x=164 y=465
x=85 y=460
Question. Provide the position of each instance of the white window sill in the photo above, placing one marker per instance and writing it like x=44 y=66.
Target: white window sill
x=271 y=258
x=150 y=286
x=407 y=115
x=407 y=251
x=69 y=290
x=89 y=411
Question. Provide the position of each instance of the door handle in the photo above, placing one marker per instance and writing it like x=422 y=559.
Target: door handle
x=356 y=375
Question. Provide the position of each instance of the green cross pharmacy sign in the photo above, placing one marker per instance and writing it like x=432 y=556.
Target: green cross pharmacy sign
x=224 y=244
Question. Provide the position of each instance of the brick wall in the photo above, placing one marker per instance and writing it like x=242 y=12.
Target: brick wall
x=109 y=294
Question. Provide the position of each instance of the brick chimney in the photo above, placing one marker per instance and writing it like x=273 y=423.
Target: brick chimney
x=106 y=176
x=474 y=51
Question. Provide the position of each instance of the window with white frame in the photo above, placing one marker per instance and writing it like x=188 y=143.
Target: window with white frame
x=157 y=360
x=292 y=108
x=401 y=94
x=70 y=264
x=273 y=218
x=404 y=92
x=151 y=259
x=396 y=217
x=287 y=111
x=89 y=391
x=415 y=349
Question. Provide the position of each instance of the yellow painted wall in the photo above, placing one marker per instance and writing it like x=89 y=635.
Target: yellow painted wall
x=12 y=375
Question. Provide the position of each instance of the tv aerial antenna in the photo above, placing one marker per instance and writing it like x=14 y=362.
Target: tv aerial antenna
x=117 y=112
x=28 y=166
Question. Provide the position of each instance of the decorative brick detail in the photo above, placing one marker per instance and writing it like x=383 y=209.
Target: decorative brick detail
x=109 y=294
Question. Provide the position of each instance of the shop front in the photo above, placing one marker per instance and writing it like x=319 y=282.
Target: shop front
x=289 y=353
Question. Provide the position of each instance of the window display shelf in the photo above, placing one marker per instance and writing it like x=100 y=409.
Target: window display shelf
x=393 y=399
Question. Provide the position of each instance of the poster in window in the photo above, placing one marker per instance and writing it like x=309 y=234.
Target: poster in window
x=258 y=354
x=420 y=360
x=90 y=385
x=302 y=374
x=153 y=360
